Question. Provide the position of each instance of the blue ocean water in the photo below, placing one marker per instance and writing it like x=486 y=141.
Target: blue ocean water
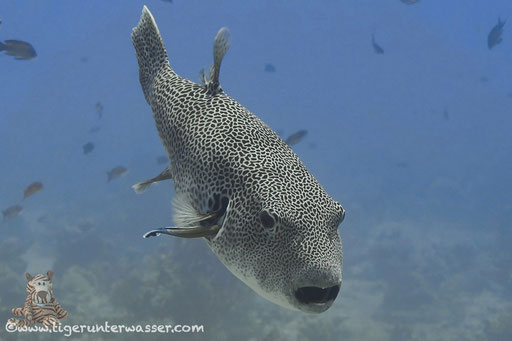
x=415 y=143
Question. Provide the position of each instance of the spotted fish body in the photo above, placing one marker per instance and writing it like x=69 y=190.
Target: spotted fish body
x=277 y=227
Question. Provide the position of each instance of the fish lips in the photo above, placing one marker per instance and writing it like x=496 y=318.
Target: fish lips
x=315 y=299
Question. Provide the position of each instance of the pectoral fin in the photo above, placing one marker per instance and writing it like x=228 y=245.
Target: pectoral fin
x=142 y=186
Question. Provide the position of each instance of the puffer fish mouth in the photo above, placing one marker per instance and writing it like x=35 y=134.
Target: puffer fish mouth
x=317 y=295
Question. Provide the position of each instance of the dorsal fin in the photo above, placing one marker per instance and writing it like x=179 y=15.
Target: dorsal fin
x=220 y=47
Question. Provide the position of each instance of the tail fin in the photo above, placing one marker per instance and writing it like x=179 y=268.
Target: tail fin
x=2 y=46
x=150 y=51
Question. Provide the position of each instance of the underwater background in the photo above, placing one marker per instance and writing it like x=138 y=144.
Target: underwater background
x=414 y=142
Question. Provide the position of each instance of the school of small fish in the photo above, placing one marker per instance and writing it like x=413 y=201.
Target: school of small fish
x=15 y=210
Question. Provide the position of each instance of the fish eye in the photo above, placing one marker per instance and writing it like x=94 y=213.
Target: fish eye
x=268 y=219
x=342 y=215
x=38 y=283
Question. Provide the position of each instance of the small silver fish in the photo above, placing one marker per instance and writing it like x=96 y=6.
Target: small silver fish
x=494 y=37
x=116 y=172
x=20 y=50
x=12 y=212
x=296 y=137
x=85 y=226
x=446 y=115
x=42 y=219
x=270 y=68
x=88 y=147
x=33 y=188
x=376 y=48
x=483 y=79
x=410 y=2
x=99 y=109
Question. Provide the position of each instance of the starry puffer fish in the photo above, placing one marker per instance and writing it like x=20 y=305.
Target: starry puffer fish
x=238 y=185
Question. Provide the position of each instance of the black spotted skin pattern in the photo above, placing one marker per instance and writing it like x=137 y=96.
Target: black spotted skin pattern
x=218 y=147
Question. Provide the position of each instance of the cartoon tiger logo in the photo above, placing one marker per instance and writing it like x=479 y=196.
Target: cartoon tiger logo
x=40 y=305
